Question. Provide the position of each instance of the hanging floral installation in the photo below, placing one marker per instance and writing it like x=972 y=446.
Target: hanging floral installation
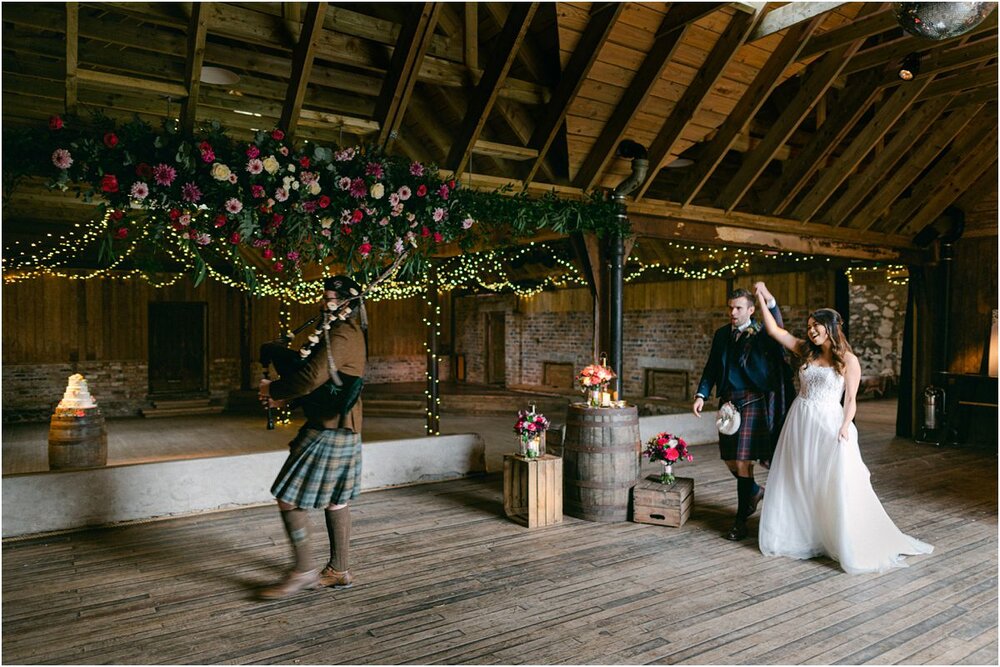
x=267 y=208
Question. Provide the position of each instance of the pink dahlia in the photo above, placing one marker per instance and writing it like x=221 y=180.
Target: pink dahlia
x=190 y=192
x=139 y=190
x=164 y=174
x=61 y=158
x=234 y=205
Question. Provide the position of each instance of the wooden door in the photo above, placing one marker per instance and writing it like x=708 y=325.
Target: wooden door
x=496 y=349
x=177 y=359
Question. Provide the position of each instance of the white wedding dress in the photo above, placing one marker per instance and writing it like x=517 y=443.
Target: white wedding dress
x=819 y=498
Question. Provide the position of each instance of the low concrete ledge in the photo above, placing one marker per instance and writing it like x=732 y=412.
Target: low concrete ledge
x=695 y=431
x=60 y=500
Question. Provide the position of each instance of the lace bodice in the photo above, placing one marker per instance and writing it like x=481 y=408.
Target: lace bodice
x=820 y=383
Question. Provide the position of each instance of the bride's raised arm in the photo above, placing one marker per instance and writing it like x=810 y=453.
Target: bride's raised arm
x=779 y=334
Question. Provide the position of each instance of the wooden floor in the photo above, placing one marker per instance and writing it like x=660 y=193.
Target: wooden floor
x=443 y=577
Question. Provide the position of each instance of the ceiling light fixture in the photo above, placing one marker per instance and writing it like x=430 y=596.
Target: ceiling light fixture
x=910 y=67
x=219 y=76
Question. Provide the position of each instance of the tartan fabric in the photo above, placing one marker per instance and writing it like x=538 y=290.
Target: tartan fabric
x=753 y=441
x=323 y=468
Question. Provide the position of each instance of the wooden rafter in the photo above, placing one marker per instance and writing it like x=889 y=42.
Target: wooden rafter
x=846 y=112
x=485 y=93
x=197 y=36
x=602 y=20
x=747 y=106
x=885 y=117
x=974 y=97
x=816 y=81
x=927 y=149
x=963 y=151
x=791 y=14
x=470 y=44
x=708 y=74
x=401 y=77
x=962 y=82
x=669 y=34
x=879 y=21
x=885 y=161
x=981 y=161
x=302 y=61
x=72 y=55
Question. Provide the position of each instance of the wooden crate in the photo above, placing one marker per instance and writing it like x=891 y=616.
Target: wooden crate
x=663 y=505
x=533 y=489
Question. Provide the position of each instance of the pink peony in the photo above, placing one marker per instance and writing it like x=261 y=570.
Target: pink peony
x=671 y=454
x=164 y=174
x=62 y=159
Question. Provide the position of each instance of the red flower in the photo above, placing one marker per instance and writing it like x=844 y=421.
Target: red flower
x=174 y=214
x=671 y=454
x=451 y=184
x=277 y=219
x=346 y=229
x=304 y=162
x=144 y=171
x=278 y=266
x=110 y=139
x=425 y=232
x=220 y=220
x=357 y=215
x=268 y=253
x=365 y=249
x=121 y=233
x=324 y=201
x=422 y=190
x=116 y=215
x=109 y=183
x=437 y=237
x=234 y=238
x=277 y=135
x=252 y=151
x=55 y=123
x=205 y=147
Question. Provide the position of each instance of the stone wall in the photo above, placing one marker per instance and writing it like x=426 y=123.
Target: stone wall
x=878 y=312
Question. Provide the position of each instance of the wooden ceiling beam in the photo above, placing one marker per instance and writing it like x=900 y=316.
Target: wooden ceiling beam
x=970 y=144
x=885 y=117
x=962 y=82
x=661 y=148
x=982 y=189
x=981 y=162
x=790 y=15
x=197 y=35
x=117 y=82
x=72 y=55
x=974 y=97
x=669 y=34
x=470 y=41
x=401 y=77
x=815 y=82
x=924 y=153
x=884 y=162
x=747 y=107
x=302 y=62
x=603 y=17
x=846 y=113
x=879 y=21
x=485 y=93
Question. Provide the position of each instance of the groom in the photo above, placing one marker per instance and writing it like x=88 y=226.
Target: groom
x=747 y=367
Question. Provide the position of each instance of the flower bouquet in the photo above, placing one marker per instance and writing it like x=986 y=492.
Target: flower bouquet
x=593 y=381
x=530 y=429
x=668 y=449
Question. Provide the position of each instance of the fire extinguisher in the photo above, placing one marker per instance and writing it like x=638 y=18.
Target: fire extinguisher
x=933 y=408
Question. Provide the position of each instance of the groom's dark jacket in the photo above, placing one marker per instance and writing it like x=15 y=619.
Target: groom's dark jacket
x=762 y=360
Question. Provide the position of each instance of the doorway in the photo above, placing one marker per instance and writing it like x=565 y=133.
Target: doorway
x=177 y=342
x=496 y=348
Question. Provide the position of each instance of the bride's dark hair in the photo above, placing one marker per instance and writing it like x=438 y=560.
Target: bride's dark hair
x=831 y=319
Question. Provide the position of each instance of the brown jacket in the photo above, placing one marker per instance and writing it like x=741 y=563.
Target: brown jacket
x=348 y=345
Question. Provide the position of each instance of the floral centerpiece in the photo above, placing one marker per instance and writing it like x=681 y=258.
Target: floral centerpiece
x=668 y=449
x=530 y=429
x=593 y=381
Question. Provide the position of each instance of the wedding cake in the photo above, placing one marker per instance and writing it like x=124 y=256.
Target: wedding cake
x=77 y=396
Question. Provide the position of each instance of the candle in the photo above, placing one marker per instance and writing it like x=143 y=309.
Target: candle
x=614 y=396
x=605 y=399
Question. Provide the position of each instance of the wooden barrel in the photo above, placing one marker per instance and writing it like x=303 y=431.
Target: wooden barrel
x=77 y=439
x=600 y=461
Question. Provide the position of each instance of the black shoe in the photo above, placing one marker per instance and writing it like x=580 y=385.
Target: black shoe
x=737 y=532
x=759 y=496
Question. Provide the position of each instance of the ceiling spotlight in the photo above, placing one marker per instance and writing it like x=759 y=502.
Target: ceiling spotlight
x=219 y=76
x=910 y=67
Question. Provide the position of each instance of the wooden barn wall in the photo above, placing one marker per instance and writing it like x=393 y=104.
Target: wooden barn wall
x=972 y=303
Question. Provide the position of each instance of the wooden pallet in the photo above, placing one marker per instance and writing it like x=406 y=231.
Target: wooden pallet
x=533 y=490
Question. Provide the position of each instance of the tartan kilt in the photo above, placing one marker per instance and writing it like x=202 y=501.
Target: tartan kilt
x=323 y=468
x=753 y=440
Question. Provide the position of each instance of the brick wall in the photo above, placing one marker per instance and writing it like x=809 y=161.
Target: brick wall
x=31 y=391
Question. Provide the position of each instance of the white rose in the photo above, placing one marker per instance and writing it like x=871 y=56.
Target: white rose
x=378 y=191
x=271 y=165
x=314 y=188
x=220 y=172
x=326 y=223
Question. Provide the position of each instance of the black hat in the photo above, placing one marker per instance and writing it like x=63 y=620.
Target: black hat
x=342 y=285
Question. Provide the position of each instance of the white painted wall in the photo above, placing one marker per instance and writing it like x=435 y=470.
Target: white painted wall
x=60 y=500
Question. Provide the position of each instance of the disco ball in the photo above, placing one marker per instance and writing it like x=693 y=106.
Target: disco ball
x=940 y=20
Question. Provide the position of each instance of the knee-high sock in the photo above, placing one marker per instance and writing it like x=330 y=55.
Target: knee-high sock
x=297 y=526
x=744 y=494
x=756 y=486
x=338 y=526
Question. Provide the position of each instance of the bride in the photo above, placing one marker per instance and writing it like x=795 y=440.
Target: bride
x=819 y=497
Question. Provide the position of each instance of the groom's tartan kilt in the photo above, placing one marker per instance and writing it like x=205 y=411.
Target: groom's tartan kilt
x=753 y=442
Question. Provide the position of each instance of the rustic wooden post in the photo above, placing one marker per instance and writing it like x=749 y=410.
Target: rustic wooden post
x=432 y=311
x=616 y=288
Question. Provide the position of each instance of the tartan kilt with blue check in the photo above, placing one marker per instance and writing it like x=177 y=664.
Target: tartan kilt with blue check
x=753 y=441
x=323 y=468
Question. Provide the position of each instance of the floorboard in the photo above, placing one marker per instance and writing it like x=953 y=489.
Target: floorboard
x=444 y=578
